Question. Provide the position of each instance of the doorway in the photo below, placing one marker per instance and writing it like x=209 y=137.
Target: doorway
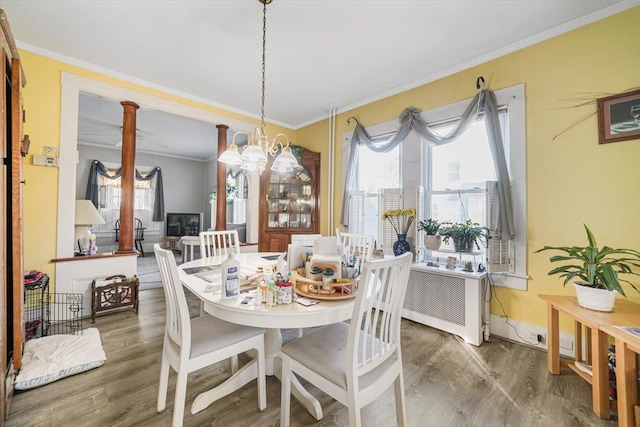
x=72 y=87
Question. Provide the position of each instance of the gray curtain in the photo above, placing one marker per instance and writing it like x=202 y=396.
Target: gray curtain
x=99 y=169
x=483 y=103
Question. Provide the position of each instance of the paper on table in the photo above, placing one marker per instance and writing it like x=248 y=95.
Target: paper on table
x=307 y=301
x=212 y=276
x=587 y=369
x=633 y=330
x=194 y=270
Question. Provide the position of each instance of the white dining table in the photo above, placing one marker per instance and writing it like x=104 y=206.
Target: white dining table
x=283 y=316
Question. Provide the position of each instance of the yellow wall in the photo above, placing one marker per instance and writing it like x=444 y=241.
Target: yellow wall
x=570 y=181
x=42 y=97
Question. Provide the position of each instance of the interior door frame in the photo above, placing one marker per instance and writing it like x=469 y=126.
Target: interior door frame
x=71 y=86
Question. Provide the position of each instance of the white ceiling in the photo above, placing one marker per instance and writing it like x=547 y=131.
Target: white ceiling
x=321 y=54
x=158 y=132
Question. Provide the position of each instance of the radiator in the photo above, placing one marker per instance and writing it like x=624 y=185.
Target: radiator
x=449 y=300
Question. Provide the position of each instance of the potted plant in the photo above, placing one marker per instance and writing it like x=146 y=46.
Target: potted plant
x=431 y=227
x=597 y=269
x=464 y=235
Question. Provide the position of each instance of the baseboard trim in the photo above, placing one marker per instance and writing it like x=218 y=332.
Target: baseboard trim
x=526 y=333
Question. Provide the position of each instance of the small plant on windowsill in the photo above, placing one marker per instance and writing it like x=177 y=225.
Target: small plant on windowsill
x=431 y=227
x=465 y=235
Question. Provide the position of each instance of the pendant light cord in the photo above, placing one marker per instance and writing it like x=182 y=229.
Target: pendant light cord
x=264 y=57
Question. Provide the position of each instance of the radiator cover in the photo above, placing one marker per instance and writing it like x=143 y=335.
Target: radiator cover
x=449 y=300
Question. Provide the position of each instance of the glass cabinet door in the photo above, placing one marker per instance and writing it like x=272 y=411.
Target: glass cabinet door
x=289 y=200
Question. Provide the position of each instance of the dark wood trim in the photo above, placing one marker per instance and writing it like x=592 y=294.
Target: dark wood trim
x=92 y=257
x=221 y=184
x=11 y=265
x=17 y=183
x=8 y=36
x=5 y=364
x=127 y=181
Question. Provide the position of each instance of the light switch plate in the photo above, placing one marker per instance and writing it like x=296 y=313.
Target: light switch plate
x=45 y=161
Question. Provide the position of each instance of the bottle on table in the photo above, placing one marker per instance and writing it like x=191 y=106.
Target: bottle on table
x=230 y=268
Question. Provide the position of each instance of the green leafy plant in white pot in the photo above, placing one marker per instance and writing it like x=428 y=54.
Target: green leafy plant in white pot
x=596 y=271
x=432 y=240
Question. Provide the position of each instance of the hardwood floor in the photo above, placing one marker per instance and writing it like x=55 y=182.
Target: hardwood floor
x=447 y=383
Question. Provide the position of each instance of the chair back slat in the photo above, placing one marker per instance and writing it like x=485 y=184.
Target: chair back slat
x=215 y=243
x=178 y=323
x=358 y=248
x=374 y=333
x=138 y=230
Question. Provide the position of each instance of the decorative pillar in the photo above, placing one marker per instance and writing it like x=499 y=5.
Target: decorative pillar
x=127 y=181
x=221 y=188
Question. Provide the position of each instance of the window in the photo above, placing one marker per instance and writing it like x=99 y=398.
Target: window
x=375 y=172
x=455 y=174
x=111 y=196
x=453 y=171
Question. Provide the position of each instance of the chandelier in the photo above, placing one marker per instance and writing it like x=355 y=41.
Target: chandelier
x=254 y=156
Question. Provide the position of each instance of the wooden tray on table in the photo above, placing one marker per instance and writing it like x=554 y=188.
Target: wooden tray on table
x=343 y=289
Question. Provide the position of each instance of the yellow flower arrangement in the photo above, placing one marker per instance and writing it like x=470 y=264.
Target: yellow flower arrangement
x=400 y=219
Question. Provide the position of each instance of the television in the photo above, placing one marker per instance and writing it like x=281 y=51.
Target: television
x=183 y=224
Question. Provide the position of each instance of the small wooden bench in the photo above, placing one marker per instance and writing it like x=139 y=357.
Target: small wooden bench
x=113 y=292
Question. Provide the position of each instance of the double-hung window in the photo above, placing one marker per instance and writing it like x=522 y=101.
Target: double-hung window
x=454 y=177
x=110 y=200
x=375 y=172
x=457 y=178
x=456 y=174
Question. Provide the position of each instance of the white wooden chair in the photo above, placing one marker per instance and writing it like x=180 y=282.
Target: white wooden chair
x=355 y=363
x=214 y=243
x=359 y=248
x=304 y=239
x=192 y=344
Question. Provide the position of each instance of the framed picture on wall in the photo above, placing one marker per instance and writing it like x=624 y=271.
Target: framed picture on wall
x=451 y=262
x=619 y=117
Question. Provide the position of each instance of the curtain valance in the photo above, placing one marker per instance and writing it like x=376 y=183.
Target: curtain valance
x=99 y=169
x=483 y=103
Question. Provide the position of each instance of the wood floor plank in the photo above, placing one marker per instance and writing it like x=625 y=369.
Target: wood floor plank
x=447 y=383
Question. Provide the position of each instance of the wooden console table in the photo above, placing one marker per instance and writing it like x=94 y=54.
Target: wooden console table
x=170 y=242
x=625 y=313
x=627 y=346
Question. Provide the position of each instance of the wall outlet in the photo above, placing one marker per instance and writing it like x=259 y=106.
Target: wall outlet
x=538 y=337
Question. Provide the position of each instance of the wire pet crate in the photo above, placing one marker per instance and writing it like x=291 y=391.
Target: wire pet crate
x=46 y=313
x=66 y=313
x=36 y=306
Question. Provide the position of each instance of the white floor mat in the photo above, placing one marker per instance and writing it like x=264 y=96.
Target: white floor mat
x=51 y=358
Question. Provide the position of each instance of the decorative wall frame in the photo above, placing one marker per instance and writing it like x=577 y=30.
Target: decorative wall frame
x=619 y=117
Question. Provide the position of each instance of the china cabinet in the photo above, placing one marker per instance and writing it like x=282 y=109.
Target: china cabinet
x=289 y=203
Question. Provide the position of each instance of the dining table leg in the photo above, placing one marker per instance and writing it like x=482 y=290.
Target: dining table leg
x=272 y=346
